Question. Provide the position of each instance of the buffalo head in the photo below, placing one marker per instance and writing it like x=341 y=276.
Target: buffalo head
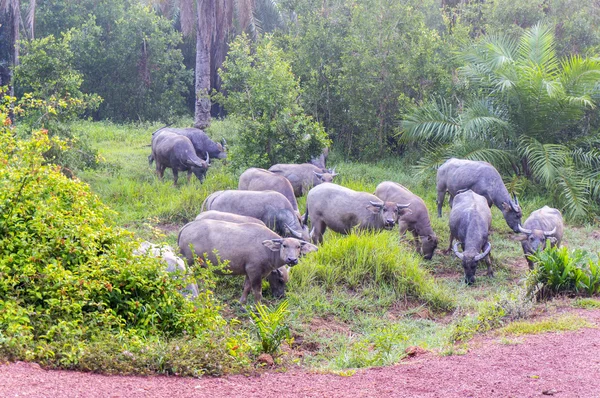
x=428 y=245
x=388 y=211
x=512 y=213
x=277 y=280
x=470 y=259
x=290 y=249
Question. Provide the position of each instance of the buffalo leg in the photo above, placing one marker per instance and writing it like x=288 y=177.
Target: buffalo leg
x=440 y=201
x=450 y=245
x=256 y=283
x=189 y=175
x=488 y=261
x=317 y=232
x=175 y=176
x=160 y=170
x=245 y=291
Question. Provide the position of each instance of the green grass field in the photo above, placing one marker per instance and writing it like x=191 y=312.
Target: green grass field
x=361 y=299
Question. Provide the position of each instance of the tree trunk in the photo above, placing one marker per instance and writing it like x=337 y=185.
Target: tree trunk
x=15 y=44
x=205 y=18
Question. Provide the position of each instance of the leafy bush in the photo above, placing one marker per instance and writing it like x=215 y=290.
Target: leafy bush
x=384 y=347
x=559 y=270
x=262 y=95
x=370 y=262
x=270 y=326
x=70 y=287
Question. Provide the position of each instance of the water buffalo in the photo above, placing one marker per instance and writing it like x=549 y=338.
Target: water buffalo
x=174 y=263
x=176 y=152
x=541 y=225
x=270 y=207
x=255 y=179
x=482 y=178
x=203 y=145
x=251 y=249
x=470 y=222
x=303 y=176
x=224 y=216
x=416 y=220
x=321 y=160
x=341 y=209
x=277 y=278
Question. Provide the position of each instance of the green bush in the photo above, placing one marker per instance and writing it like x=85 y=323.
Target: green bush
x=559 y=270
x=262 y=95
x=270 y=326
x=70 y=287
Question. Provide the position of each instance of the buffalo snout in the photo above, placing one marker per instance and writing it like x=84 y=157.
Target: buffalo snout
x=292 y=261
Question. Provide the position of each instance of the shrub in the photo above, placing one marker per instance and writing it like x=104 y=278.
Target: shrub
x=262 y=95
x=559 y=270
x=70 y=287
x=270 y=326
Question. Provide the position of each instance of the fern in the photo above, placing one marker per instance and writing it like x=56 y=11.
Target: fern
x=270 y=326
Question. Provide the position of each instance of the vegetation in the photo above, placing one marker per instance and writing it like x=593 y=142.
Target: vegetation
x=559 y=324
x=270 y=326
x=559 y=270
x=262 y=95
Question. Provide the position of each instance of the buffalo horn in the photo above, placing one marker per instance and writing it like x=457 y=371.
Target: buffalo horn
x=320 y=175
x=296 y=235
x=223 y=142
x=207 y=159
x=399 y=206
x=455 y=250
x=488 y=247
x=550 y=233
x=526 y=231
x=376 y=204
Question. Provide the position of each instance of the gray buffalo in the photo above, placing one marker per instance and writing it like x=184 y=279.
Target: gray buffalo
x=176 y=152
x=251 y=250
x=203 y=145
x=470 y=222
x=303 y=176
x=255 y=179
x=174 y=263
x=457 y=175
x=416 y=220
x=342 y=209
x=541 y=225
x=279 y=277
x=270 y=207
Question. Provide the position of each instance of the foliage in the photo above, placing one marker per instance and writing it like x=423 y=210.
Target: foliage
x=262 y=94
x=270 y=326
x=559 y=270
x=383 y=348
x=587 y=303
x=70 y=284
x=525 y=119
x=489 y=316
x=370 y=261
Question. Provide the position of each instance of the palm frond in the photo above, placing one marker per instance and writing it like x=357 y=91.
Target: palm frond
x=537 y=46
x=481 y=120
x=545 y=160
x=432 y=121
x=573 y=193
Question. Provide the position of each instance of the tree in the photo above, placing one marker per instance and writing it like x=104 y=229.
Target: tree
x=262 y=95
x=526 y=114
x=12 y=8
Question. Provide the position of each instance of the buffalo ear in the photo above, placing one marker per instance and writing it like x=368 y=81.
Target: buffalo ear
x=306 y=248
x=506 y=206
x=375 y=207
x=273 y=244
x=552 y=240
x=521 y=237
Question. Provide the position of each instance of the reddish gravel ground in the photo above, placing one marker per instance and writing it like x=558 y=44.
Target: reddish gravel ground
x=551 y=364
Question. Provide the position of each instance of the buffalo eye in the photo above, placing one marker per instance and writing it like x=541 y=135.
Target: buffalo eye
x=285 y=246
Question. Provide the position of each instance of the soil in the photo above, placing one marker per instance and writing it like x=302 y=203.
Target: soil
x=551 y=364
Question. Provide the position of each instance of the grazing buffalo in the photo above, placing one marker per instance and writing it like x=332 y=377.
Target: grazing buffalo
x=174 y=263
x=279 y=277
x=457 y=175
x=541 y=225
x=470 y=222
x=416 y=220
x=321 y=160
x=303 y=176
x=176 y=152
x=270 y=207
x=203 y=145
x=251 y=250
x=255 y=179
x=342 y=209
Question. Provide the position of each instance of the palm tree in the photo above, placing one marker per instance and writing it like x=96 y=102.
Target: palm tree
x=525 y=118
x=213 y=21
x=12 y=8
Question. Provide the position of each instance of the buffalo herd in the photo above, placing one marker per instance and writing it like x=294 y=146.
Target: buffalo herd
x=258 y=231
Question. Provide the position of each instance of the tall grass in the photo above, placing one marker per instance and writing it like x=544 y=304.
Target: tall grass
x=371 y=262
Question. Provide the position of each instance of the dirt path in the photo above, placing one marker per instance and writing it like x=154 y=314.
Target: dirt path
x=560 y=365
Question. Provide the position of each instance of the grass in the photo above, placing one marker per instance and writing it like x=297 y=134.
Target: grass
x=563 y=323
x=361 y=299
x=586 y=303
